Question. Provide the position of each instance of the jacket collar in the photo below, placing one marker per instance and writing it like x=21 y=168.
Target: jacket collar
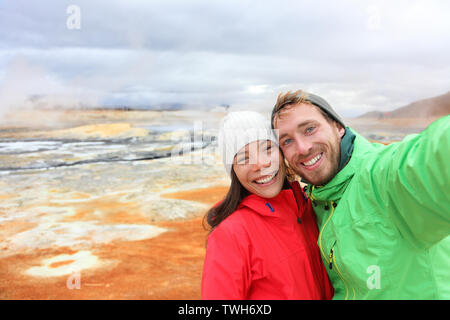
x=347 y=145
x=334 y=189
x=273 y=207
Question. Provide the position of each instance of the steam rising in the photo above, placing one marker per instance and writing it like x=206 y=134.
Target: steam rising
x=27 y=86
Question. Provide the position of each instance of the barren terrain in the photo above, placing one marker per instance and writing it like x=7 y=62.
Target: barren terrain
x=94 y=204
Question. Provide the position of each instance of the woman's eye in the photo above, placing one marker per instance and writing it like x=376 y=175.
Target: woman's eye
x=242 y=160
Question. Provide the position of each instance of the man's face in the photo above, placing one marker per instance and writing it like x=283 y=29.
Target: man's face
x=310 y=143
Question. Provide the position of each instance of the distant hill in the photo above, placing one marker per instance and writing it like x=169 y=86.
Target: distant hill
x=426 y=108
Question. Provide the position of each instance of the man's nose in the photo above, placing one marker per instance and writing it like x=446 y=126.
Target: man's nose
x=303 y=146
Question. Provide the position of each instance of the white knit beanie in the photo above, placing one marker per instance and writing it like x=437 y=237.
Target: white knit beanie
x=237 y=130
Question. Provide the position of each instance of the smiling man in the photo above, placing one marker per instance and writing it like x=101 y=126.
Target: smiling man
x=382 y=211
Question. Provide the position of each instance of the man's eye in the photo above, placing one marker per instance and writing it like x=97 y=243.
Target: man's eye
x=310 y=129
x=286 y=142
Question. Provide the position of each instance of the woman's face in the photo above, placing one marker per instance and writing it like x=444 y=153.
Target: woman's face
x=260 y=169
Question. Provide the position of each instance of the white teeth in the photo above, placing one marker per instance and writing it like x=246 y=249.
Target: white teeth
x=269 y=178
x=313 y=161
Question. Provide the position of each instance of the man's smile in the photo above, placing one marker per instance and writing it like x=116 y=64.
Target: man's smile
x=313 y=162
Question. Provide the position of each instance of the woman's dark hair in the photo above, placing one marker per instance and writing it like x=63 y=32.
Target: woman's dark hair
x=236 y=193
x=233 y=198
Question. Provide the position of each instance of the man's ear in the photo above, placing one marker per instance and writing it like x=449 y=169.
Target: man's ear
x=341 y=129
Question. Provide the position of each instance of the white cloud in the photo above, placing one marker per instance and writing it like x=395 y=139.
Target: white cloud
x=359 y=55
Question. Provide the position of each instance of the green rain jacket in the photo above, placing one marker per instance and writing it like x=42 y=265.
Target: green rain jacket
x=384 y=219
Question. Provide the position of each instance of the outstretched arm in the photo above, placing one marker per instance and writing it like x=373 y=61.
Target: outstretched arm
x=416 y=173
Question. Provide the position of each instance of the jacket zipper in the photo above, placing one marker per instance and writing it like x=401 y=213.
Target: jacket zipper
x=342 y=277
x=331 y=258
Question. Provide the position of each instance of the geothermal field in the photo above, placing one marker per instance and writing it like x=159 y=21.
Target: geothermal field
x=101 y=204
x=108 y=204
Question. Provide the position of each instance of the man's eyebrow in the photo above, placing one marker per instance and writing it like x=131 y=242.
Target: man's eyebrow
x=300 y=125
x=305 y=123
x=282 y=136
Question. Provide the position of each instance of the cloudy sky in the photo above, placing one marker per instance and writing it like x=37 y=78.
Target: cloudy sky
x=359 y=55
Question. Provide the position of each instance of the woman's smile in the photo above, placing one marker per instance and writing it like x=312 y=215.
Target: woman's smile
x=260 y=169
x=267 y=179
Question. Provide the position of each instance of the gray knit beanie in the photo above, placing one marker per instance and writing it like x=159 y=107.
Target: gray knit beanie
x=317 y=101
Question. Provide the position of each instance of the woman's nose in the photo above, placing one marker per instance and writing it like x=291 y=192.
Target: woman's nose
x=262 y=161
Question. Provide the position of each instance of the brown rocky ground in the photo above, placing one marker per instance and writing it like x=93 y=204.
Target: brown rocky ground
x=132 y=230
x=118 y=230
x=168 y=266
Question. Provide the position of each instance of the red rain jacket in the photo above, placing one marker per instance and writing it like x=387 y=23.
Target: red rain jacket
x=266 y=250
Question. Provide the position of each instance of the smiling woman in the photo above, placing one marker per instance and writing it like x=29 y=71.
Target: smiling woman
x=264 y=175
x=263 y=239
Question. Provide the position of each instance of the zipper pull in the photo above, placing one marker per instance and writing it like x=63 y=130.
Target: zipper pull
x=331 y=259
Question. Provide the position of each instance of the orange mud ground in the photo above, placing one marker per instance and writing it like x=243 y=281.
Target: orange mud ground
x=168 y=266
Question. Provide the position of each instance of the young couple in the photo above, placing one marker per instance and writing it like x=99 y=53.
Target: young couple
x=373 y=221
